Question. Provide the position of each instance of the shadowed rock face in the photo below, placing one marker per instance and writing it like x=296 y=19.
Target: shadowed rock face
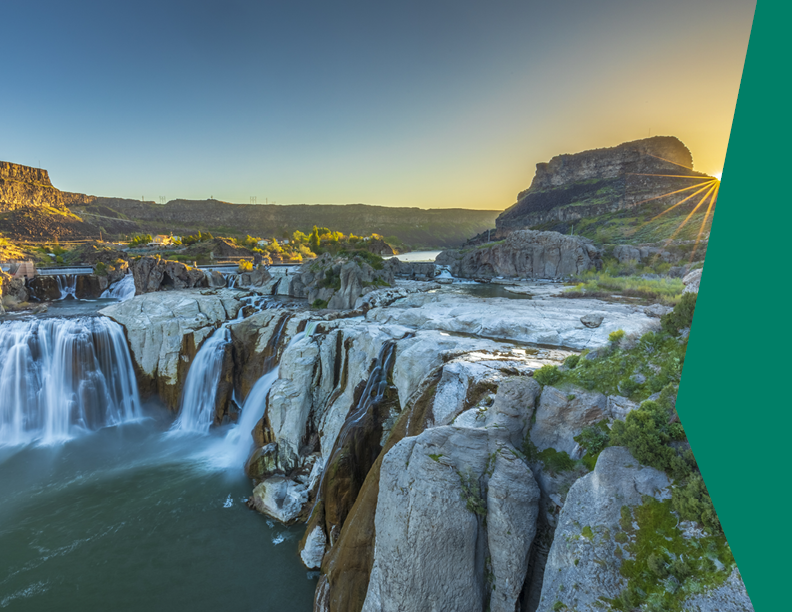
x=152 y=274
x=525 y=254
x=591 y=183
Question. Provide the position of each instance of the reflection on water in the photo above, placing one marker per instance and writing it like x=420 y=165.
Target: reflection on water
x=486 y=290
x=128 y=519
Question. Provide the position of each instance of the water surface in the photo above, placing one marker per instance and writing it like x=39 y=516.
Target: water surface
x=127 y=518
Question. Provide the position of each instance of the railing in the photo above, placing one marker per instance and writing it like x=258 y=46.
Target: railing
x=61 y=270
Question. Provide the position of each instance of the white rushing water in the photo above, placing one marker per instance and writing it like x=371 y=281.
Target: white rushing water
x=199 y=395
x=235 y=448
x=59 y=377
x=122 y=291
x=67 y=283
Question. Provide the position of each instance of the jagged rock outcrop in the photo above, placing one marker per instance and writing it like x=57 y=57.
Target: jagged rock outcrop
x=155 y=274
x=592 y=183
x=337 y=282
x=525 y=254
x=165 y=331
x=13 y=291
x=692 y=281
x=379 y=247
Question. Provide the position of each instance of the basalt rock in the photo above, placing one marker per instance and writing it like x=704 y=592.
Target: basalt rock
x=526 y=254
x=337 y=282
x=153 y=274
x=600 y=181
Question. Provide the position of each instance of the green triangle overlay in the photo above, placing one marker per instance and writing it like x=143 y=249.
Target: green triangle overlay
x=733 y=398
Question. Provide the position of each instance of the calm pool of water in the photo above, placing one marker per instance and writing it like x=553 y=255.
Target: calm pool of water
x=127 y=518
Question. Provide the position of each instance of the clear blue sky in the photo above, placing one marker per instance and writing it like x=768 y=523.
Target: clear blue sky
x=430 y=104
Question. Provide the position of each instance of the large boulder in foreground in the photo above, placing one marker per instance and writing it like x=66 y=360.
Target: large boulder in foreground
x=525 y=254
x=456 y=515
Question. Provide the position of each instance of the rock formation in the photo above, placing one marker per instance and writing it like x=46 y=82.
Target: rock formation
x=155 y=274
x=588 y=184
x=337 y=282
x=525 y=254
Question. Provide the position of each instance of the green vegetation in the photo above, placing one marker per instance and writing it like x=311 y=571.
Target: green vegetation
x=245 y=266
x=319 y=304
x=547 y=375
x=471 y=494
x=682 y=316
x=593 y=284
x=141 y=240
x=664 y=567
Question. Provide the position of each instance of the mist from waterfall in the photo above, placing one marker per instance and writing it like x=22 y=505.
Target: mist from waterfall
x=59 y=377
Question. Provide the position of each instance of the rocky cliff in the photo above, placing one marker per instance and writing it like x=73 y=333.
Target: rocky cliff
x=592 y=183
x=524 y=254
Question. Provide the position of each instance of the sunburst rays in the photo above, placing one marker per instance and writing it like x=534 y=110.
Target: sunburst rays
x=706 y=187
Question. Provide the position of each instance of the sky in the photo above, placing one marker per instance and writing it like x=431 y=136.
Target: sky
x=434 y=104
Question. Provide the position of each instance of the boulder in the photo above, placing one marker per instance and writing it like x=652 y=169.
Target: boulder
x=562 y=415
x=584 y=549
x=280 y=498
x=154 y=274
x=526 y=254
x=592 y=320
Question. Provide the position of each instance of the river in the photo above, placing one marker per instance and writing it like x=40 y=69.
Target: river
x=129 y=518
x=103 y=507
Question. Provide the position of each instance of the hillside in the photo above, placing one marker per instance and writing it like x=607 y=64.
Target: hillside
x=31 y=208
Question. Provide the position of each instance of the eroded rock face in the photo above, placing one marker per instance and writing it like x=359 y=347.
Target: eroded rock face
x=692 y=281
x=165 y=331
x=562 y=415
x=526 y=254
x=433 y=548
x=152 y=274
x=338 y=282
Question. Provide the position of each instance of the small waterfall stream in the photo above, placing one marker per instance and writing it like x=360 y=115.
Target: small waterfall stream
x=62 y=376
x=197 y=403
x=67 y=284
x=122 y=291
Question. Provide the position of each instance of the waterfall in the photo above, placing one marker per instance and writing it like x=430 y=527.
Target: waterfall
x=236 y=446
x=67 y=284
x=122 y=291
x=199 y=395
x=197 y=404
x=231 y=280
x=62 y=376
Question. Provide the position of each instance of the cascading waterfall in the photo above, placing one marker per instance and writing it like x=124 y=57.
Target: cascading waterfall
x=67 y=284
x=122 y=291
x=62 y=376
x=199 y=395
x=238 y=442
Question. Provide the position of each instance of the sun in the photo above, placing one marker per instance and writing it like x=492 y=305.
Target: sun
x=718 y=174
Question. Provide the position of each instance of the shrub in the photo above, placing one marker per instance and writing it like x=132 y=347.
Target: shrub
x=682 y=315
x=547 y=375
x=556 y=461
x=572 y=361
x=101 y=269
x=616 y=336
x=245 y=265
x=319 y=304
